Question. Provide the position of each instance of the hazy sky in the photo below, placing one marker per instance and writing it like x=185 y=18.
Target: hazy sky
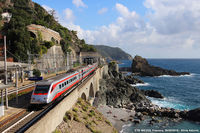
x=150 y=28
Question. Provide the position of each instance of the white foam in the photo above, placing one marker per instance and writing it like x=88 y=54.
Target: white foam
x=125 y=127
x=170 y=76
x=168 y=102
x=141 y=84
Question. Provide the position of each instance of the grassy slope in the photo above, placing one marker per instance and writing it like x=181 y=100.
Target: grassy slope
x=84 y=118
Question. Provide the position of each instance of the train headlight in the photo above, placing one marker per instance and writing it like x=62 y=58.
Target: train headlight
x=32 y=99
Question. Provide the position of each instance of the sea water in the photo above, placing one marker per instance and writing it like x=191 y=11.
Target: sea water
x=180 y=92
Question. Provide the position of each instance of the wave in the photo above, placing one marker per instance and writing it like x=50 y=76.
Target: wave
x=170 y=76
x=125 y=127
x=169 y=102
x=141 y=84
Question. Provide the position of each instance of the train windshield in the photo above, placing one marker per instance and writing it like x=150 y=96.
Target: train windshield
x=41 y=89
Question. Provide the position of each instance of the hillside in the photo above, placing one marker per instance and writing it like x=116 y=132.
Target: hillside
x=26 y=12
x=113 y=53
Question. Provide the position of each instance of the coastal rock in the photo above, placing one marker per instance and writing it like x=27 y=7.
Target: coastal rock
x=194 y=115
x=115 y=91
x=136 y=121
x=132 y=80
x=152 y=93
x=143 y=68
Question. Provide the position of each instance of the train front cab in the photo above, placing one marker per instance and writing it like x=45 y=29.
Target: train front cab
x=40 y=94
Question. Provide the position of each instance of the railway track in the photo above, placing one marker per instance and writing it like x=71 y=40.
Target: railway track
x=21 y=125
x=11 y=91
x=31 y=117
x=28 y=120
x=24 y=87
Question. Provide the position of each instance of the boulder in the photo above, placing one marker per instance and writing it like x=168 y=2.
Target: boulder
x=152 y=93
x=143 y=68
x=194 y=115
x=132 y=80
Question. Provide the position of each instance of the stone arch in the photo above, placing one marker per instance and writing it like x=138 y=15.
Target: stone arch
x=53 y=39
x=32 y=34
x=83 y=96
x=91 y=91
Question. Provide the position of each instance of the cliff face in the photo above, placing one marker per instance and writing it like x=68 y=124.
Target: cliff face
x=113 y=53
x=116 y=91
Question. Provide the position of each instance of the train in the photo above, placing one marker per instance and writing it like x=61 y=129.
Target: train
x=47 y=91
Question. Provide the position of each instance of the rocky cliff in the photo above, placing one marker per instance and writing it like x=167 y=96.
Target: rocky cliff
x=115 y=91
x=141 y=67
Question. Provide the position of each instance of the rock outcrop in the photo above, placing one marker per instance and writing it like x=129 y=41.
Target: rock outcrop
x=194 y=115
x=132 y=80
x=152 y=93
x=115 y=91
x=143 y=68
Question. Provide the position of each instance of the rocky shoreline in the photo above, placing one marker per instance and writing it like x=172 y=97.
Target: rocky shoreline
x=117 y=93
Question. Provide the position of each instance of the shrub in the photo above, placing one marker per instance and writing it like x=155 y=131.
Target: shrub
x=75 y=109
x=48 y=44
x=108 y=122
x=92 y=113
x=65 y=118
x=84 y=108
x=68 y=114
x=94 y=122
x=36 y=73
x=57 y=131
x=85 y=117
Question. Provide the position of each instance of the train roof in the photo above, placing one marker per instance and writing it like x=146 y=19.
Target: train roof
x=57 y=78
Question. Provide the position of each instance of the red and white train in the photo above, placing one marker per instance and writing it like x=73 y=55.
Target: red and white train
x=47 y=91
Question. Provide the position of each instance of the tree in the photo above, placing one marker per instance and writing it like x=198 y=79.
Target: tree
x=36 y=73
x=52 y=12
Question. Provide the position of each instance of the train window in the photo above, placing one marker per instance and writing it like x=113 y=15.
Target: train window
x=60 y=86
x=41 y=89
x=65 y=83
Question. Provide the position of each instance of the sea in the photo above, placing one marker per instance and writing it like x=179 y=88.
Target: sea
x=180 y=92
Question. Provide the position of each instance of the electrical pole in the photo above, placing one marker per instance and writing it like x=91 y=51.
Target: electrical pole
x=6 y=74
x=16 y=78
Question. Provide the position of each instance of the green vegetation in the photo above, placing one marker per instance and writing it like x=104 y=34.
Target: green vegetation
x=76 y=64
x=86 y=47
x=84 y=114
x=24 y=13
x=56 y=131
x=36 y=73
x=108 y=122
x=68 y=116
x=112 y=53
x=75 y=109
x=76 y=118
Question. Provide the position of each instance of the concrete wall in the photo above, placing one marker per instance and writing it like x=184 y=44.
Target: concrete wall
x=52 y=60
x=52 y=119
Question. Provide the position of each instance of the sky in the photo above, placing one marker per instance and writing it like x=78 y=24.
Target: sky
x=149 y=28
